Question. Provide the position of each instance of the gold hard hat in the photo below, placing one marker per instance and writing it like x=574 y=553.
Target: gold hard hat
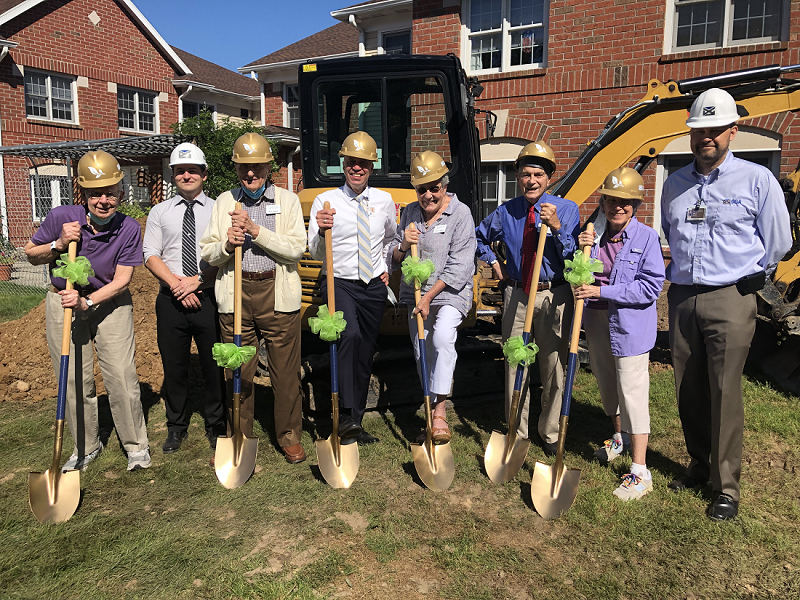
x=360 y=145
x=252 y=148
x=426 y=167
x=623 y=183
x=98 y=169
x=536 y=150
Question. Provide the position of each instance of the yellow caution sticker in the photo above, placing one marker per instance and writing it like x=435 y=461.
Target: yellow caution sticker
x=309 y=67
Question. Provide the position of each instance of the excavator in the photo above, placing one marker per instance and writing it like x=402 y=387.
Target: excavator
x=415 y=103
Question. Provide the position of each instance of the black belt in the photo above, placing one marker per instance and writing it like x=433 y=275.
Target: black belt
x=543 y=285
x=258 y=275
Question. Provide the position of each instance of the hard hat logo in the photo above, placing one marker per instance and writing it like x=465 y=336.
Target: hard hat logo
x=708 y=111
x=358 y=145
x=617 y=183
x=423 y=170
x=249 y=148
x=96 y=172
x=184 y=153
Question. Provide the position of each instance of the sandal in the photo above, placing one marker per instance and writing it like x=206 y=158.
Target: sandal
x=441 y=435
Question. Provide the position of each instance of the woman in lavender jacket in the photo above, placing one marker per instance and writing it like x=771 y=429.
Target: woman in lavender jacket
x=621 y=321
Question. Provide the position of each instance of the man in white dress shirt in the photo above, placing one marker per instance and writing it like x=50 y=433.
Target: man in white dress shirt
x=365 y=224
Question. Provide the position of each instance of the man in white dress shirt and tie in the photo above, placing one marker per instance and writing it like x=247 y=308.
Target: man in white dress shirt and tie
x=362 y=220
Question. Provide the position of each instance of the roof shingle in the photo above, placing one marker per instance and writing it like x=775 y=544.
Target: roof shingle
x=337 y=39
x=204 y=71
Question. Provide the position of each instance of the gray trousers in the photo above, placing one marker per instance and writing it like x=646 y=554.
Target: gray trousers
x=710 y=334
x=110 y=327
x=552 y=318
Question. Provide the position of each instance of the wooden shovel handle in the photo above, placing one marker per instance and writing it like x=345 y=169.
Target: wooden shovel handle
x=417 y=293
x=65 y=332
x=329 y=265
x=537 y=269
x=237 y=286
x=576 y=328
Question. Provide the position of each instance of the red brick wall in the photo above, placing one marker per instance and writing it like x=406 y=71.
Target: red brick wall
x=57 y=36
x=601 y=55
x=273 y=108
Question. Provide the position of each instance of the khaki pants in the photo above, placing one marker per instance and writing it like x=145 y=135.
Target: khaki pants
x=709 y=335
x=552 y=318
x=281 y=331
x=110 y=327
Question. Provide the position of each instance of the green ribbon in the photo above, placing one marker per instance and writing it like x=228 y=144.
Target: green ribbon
x=415 y=271
x=328 y=326
x=580 y=269
x=516 y=352
x=231 y=356
x=74 y=272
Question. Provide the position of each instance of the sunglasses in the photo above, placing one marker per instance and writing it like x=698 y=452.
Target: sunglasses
x=421 y=190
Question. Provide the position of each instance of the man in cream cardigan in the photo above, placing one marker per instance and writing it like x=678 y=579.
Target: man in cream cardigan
x=270 y=229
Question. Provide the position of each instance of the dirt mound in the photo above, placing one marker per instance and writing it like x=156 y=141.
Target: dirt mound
x=24 y=356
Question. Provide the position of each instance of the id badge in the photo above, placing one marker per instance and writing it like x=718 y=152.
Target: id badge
x=272 y=209
x=696 y=214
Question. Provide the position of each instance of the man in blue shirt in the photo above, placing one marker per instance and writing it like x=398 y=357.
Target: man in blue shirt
x=727 y=226
x=516 y=223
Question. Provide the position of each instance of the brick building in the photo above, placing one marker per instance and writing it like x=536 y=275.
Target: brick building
x=558 y=70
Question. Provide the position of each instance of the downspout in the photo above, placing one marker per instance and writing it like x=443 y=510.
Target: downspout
x=361 y=52
x=3 y=53
x=290 y=168
x=3 y=208
x=263 y=106
x=180 y=102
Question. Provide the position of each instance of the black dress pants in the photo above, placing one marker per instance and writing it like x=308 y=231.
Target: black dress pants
x=363 y=306
x=177 y=325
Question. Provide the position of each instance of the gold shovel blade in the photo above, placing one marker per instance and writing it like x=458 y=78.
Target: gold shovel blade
x=343 y=474
x=437 y=468
x=502 y=467
x=233 y=473
x=54 y=503
x=552 y=498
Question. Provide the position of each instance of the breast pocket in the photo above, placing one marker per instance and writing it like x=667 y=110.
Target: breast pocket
x=732 y=220
x=626 y=267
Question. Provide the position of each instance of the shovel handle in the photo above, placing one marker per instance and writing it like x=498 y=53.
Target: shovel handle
x=237 y=291
x=417 y=293
x=66 y=331
x=329 y=265
x=579 y=304
x=537 y=269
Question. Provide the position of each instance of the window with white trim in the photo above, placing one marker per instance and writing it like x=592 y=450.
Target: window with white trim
x=700 y=24
x=190 y=109
x=397 y=42
x=503 y=35
x=137 y=110
x=49 y=189
x=499 y=183
x=50 y=97
x=291 y=101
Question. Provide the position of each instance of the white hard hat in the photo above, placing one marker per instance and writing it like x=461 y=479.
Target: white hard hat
x=713 y=108
x=187 y=154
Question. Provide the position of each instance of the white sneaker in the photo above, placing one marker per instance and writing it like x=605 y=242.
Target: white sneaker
x=633 y=487
x=610 y=450
x=76 y=462
x=138 y=459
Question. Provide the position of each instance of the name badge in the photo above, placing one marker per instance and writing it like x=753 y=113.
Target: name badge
x=440 y=228
x=636 y=250
x=272 y=209
x=696 y=214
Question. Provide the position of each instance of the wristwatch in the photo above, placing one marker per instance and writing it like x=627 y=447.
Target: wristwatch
x=53 y=245
x=89 y=303
x=201 y=278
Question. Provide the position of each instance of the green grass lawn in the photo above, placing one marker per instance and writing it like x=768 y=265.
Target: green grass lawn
x=173 y=532
x=13 y=305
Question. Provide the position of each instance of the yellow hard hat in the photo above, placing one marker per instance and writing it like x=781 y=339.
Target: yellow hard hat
x=426 y=167
x=98 y=169
x=536 y=150
x=252 y=148
x=360 y=145
x=623 y=183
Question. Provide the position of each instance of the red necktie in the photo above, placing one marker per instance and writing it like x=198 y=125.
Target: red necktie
x=530 y=237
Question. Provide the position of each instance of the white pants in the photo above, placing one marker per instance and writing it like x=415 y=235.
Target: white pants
x=624 y=381
x=440 y=346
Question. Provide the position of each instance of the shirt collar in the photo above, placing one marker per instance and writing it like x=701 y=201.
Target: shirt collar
x=268 y=195
x=200 y=199
x=721 y=169
x=450 y=205
x=351 y=195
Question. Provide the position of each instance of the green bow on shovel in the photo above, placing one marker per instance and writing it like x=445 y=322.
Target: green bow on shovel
x=231 y=356
x=77 y=272
x=517 y=352
x=416 y=271
x=328 y=326
x=579 y=270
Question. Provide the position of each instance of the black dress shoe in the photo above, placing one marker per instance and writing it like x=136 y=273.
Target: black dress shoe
x=723 y=508
x=348 y=427
x=685 y=482
x=173 y=442
x=364 y=438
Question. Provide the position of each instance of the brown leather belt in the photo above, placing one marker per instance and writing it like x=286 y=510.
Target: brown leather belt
x=258 y=275
x=543 y=285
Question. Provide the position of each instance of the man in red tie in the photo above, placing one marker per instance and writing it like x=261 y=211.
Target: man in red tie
x=517 y=224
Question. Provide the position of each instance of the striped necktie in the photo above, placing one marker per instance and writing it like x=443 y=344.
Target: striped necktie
x=189 y=241
x=364 y=245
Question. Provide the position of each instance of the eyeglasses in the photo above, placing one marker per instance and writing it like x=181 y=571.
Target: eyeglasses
x=620 y=202
x=435 y=189
x=100 y=193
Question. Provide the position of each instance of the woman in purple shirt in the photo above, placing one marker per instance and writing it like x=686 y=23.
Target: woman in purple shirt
x=621 y=321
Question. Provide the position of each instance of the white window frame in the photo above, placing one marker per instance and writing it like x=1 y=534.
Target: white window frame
x=136 y=93
x=505 y=46
x=55 y=188
x=286 y=113
x=201 y=104
x=502 y=180
x=49 y=76
x=671 y=28
x=382 y=35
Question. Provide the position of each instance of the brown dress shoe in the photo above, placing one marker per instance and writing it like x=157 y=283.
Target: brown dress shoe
x=294 y=454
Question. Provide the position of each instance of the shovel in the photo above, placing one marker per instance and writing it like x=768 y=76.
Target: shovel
x=54 y=495
x=235 y=457
x=338 y=464
x=553 y=488
x=434 y=463
x=505 y=454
